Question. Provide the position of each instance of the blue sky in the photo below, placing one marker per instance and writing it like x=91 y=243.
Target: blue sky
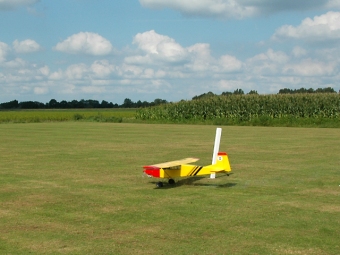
x=168 y=49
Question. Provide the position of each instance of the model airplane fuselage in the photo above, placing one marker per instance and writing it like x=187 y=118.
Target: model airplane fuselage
x=182 y=168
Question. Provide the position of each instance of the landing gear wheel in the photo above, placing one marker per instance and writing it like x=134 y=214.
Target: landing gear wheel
x=171 y=181
x=159 y=184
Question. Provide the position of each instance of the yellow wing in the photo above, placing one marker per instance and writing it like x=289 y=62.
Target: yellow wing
x=176 y=163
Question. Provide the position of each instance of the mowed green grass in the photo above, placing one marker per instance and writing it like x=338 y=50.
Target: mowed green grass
x=77 y=188
x=53 y=115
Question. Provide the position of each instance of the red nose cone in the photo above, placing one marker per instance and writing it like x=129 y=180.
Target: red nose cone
x=152 y=171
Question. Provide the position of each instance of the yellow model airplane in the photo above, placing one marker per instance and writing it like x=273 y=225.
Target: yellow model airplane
x=181 y=168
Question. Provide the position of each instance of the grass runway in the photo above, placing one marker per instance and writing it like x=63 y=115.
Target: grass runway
x=77 y=188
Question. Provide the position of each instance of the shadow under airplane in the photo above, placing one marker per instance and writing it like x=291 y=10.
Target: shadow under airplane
x=194 y=181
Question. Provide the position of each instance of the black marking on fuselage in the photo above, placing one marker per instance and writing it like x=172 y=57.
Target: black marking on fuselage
x=192 y=171
x=197 y=170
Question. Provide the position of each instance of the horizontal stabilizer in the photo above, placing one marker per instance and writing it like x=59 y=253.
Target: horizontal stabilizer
x=217 y=170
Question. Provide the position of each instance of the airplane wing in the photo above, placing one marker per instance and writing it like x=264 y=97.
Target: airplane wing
x=175 y=163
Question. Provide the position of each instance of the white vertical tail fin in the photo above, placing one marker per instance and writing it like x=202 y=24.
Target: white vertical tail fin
x=216 y=149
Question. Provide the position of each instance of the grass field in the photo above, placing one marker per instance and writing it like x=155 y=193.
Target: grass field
x=77 y=188
x=60 y=115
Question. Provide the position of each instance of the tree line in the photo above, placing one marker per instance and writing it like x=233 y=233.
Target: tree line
x=128 y=103
x=75 y=104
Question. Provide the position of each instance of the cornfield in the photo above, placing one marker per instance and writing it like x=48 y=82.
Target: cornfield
x=247 y=107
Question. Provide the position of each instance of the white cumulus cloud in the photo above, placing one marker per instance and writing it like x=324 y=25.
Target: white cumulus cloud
x=26 y=46
x=15 y=63
x=13 y=4
x=239 y=9
x=40 y=90
x=299 y=52
x=310 y=67
x=85 y=43
x=320 y=28
x=3 y=51
x=45 y=70
x=333 y=3
x=57 y=75
x=268 y=63
x=217 y=8
x=102 y=68
x=160 y=46
x=76 y=72
x=230 y=63
x=200 y=57
x=167 y=58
